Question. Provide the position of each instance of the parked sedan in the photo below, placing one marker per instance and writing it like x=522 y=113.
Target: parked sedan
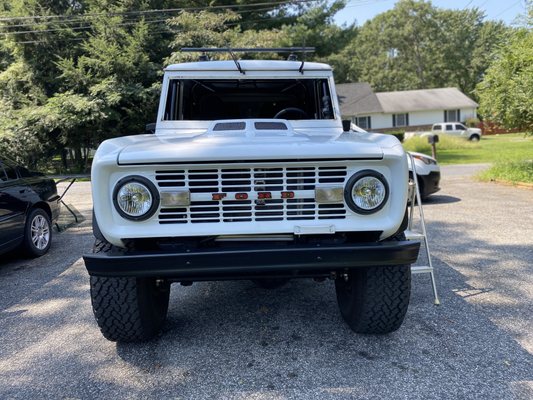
x=29 y=205
x=427 y=172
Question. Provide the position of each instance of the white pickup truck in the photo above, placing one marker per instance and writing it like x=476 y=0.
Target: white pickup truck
x=449 y=128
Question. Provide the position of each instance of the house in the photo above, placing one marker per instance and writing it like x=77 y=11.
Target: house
x=408 y=109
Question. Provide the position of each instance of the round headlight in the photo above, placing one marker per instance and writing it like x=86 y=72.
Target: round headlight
x=135 y=198
x=366 y=192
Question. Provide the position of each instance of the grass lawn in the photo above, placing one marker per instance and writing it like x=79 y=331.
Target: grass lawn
x=490 y=149
x=513 y=172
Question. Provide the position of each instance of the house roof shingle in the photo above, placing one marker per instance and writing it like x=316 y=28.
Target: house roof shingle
x=359 y=99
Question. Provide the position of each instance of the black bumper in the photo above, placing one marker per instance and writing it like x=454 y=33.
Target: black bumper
x=242 y=263
x=430 y=183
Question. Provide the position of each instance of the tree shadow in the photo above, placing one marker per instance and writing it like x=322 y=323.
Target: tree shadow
x=235 y=340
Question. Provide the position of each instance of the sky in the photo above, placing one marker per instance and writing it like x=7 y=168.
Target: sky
x=360 y=11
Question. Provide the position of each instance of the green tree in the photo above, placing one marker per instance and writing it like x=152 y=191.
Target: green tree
x=467 y=43
x=417 y=46
x=73 y=73
x=397 y=50
x=506 y=92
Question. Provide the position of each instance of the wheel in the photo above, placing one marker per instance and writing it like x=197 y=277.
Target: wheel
x=128 y=309
x=37 y=233
x=374 y=300
x=474 y=138
x=291 y=110
x=270 y=283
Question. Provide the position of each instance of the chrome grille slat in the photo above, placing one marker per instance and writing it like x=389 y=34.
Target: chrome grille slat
x=204 y=182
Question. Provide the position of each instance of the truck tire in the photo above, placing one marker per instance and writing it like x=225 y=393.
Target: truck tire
x=374 y=300
x=128 y=309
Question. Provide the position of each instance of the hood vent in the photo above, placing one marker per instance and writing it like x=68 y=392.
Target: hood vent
x=250 y=128
x=229 y=126
x=263 y=126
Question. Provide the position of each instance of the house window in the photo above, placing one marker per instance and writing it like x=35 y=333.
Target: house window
x=363 y=122
x=452 y=115
x=400 y=120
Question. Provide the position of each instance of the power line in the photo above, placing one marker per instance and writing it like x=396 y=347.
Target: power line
x=85 y=18
x=155 y=11
x=482 y=4
x=507 y=9
x=155 y=31
x=363 y=3
x=149 y=21
x=131 y=22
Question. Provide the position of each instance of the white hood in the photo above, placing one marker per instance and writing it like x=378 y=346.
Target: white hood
x=247 y=140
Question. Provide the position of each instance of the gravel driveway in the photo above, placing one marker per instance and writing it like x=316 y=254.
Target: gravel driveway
x=233 y=340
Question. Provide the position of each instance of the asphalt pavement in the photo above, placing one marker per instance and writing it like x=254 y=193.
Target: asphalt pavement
x=233 y=340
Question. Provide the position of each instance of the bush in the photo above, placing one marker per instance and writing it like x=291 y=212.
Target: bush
x=472 y=122
x=421 y=145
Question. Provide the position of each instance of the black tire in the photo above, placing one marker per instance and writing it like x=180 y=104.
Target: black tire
x=474 y=138
x=270 y=283
x=128 y=309
x=374 y=300
x=37 y=233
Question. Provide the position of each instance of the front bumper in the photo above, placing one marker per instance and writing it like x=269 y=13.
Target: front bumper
x=430 y=183
x=250 y=262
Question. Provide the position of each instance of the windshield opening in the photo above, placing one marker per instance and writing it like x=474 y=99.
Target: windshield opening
x=214 y=99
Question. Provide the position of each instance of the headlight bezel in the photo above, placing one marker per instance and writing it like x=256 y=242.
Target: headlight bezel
x=146 y=183
x=351 y=183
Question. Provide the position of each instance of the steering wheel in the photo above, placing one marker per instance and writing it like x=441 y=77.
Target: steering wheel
x=291 y=110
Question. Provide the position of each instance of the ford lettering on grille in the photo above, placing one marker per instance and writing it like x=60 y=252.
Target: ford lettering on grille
x=251 y=194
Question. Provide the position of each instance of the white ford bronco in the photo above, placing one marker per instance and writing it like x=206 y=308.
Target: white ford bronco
x=249 y=175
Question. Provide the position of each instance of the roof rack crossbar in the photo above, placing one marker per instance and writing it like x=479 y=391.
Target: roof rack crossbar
x=249 y=50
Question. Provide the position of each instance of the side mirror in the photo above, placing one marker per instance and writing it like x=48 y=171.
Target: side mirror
x=346 y=125
x=432 y=139
x=150 y=128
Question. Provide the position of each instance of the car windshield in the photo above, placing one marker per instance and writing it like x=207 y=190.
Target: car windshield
x=213 y=99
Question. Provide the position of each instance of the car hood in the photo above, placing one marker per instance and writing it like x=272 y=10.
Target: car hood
x=248 y=145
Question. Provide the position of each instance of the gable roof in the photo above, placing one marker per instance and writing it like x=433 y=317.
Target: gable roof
x=426 y=99
x=357 y=100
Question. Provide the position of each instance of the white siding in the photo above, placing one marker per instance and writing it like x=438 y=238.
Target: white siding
x=380 y=120
x=468 y=113
x=416 y=118
x=428 y=117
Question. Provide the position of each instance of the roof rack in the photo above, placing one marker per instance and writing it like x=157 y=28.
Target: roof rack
x=291 y=50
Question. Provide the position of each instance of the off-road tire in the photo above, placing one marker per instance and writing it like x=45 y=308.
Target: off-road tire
x=128 y=309
x=374 y=300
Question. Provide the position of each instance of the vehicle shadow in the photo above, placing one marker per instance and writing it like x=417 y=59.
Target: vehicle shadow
x=235 y=340
x=247 y=341
x=440 y=199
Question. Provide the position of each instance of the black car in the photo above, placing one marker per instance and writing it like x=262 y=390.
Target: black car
x=29 y=204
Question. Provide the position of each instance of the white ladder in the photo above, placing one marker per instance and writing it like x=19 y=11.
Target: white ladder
x=410 y=234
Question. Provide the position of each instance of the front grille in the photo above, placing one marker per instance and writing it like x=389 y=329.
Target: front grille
x=202 y=183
